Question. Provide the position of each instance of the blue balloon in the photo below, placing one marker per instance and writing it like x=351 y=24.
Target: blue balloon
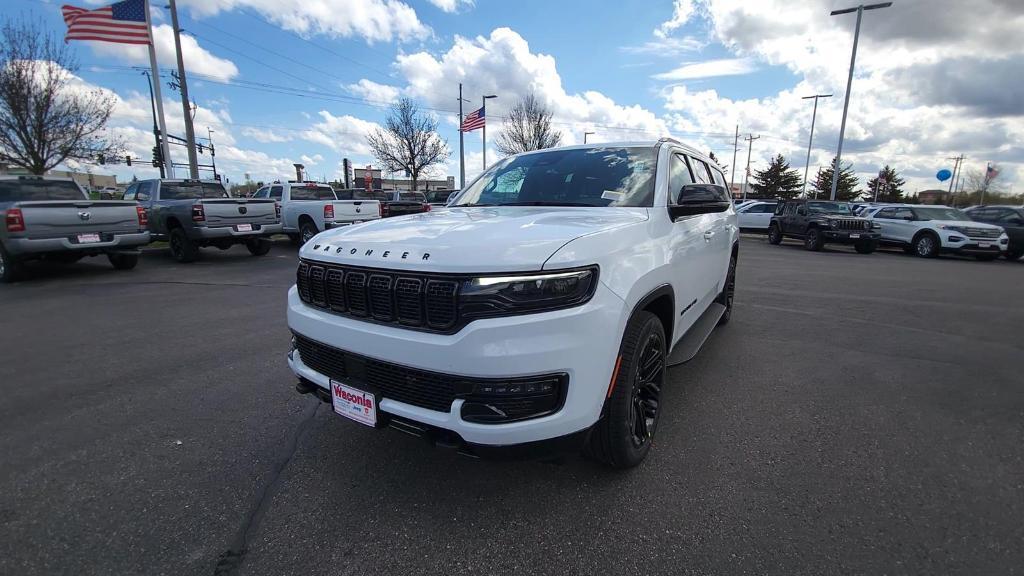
x=944 y=175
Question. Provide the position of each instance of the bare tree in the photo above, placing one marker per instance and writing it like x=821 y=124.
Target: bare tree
x=527 y=127
x=44 y=118
x=409 y=142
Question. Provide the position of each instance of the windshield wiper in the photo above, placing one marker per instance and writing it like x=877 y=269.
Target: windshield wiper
x=546 y=203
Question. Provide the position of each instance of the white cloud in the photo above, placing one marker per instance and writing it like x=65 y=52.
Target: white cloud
x=374 y=92
x=343 y=134
x=666 y=47
x=681 y=11
x=372 y=20
x=709 y=68
x=451 y=5
x=197 y=59
x=311 y=160
x=264 y=135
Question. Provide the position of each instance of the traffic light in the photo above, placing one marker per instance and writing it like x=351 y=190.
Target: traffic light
x=200 y=147
x=128 y=160
x=157 y=157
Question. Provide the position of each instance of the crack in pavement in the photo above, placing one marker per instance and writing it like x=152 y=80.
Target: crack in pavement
x=231 y=560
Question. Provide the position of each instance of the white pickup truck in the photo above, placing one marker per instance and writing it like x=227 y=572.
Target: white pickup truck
x=53 y=219
x=308 y=208
x=534 y=314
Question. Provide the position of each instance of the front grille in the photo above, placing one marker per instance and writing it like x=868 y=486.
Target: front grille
x=851 y=224
x=518 y=398
x=986 y=233
x=428 y=302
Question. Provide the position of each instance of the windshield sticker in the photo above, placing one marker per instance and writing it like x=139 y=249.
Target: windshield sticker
x=612 y=195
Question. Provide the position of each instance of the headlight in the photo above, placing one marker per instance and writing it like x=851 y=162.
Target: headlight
x=959 y=229
x=488 y=296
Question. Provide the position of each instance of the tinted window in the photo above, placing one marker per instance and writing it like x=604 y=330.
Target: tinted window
x=144 y=191
x=679 y=175
x=364 y=194
x=700 y=171
x=717 y=176
x=312 y=192
x=1010 y=217
x=611 y=176
x=31 y=189
x=262 y=193
x=886 y=213
x=412 y=197
x=276 y=192
x=937 y=213
x=760 y=209
x=829 y=208
x=129 y=194
x=190 y=190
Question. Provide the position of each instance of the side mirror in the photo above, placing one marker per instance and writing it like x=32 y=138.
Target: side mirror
x=700 y=199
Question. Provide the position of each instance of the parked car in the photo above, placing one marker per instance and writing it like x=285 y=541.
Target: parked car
x=1010 y=219
x=193 y=214
x=308 y=208
x=439 y=198
x=931 y=230
x=535 y=314
x=54 y=219
x=755 y=216
x=392 y=202
x=819 y=222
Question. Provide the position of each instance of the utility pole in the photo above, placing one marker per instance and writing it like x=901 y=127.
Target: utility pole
x=157 y=97
x=156 y=129
x=957 y=160
x=735 y=148
x=462 y=144
x=849 y=83
x=483 y=112
x=750 y=146
x=190 y=133
x=810 y=142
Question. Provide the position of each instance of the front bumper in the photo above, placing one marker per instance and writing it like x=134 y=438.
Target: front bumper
x=220 y=232
x=960 y=244
x=850 y=236
x=581 y=342
x=116 y=243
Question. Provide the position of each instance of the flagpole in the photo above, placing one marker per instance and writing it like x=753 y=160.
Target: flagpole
x=483 y=112
x=462 y=153
x=162 y=137
x=190 y=135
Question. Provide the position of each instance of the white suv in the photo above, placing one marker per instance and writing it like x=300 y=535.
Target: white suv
x=930 y=230
x=536 y=314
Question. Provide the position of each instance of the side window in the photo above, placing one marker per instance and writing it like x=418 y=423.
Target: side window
x=885 y=213
x=1010 y=217
x=143 y=192
x=718 y=177
x=902 y=213
x=700 y=171
x=679 y=175
x=275 y=192
x=129 y=194
x=262 y=193
x=761 y=209
x=780 y=208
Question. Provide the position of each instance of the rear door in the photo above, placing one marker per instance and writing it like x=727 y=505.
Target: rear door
x=690 y=253
x=902 y=224
x=796 y=218
x=755 y=216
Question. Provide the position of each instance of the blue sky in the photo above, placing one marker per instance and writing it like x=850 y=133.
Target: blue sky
x=625 y=70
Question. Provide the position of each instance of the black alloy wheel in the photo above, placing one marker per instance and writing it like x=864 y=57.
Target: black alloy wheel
x=646 y=395
x=725 y=298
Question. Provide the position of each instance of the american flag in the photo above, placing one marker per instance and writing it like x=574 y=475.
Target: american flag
x=991 y=172
x=473 y=121
x=121 y=22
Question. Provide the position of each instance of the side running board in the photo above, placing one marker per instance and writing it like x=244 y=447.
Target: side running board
x=690 y=344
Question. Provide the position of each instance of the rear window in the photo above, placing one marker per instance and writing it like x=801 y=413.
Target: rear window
x=191 y=190
x=312 y=192
x=412 y=197
x=364 y=194
x=29 y=190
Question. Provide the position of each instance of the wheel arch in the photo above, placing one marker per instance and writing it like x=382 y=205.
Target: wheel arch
x=661 y=302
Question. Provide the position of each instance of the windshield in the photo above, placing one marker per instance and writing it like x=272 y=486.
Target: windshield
x=940 y=214
x=190 y=190
x=829 y=208
x=412 y=197
x=573 y=177
x=312 y=192
x=27 y=190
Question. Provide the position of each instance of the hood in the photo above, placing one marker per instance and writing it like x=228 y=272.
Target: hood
x=475 y=240
x=964 y=224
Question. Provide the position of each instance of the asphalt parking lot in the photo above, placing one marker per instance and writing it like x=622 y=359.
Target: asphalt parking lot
x=861 y=414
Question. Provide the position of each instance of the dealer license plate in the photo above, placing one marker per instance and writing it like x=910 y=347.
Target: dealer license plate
x=854 y=235
x=244 y=227
x=984 y=245
x=354 y=404
x=88 y=238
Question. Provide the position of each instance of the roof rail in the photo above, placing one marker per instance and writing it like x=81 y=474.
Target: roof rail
x=664 y=139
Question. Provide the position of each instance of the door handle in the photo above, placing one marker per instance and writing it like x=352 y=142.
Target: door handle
x=708 y=235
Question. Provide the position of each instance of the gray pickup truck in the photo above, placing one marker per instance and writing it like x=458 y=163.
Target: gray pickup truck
x=54 y=219
x=193 y=214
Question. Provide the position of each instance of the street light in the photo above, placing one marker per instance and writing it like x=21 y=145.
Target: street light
x=585 y=136
x=483 y=110
x=849 y=82
x=811 y=141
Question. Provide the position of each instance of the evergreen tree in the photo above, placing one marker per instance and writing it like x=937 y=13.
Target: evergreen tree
x=846 y=190
x=890 y=189
x=778 y=180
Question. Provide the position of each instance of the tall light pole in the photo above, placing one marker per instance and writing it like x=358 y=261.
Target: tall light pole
x=750 y=138
x=849 y=82
x=462 y=152
x=811 y=141
x=483 y=112
x=735 y=148
x=585 y=136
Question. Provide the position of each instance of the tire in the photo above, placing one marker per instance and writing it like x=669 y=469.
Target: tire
x=1013 y=255
x=926 y=245
x=618 y=439
x=258 y=246
x=813 y=240
x=725 y=297
x=182 y=249
x=307 y=230
x=986 y=257
x=123 y=261
x=774 y=234
x=11 y=270
x=866 y=247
